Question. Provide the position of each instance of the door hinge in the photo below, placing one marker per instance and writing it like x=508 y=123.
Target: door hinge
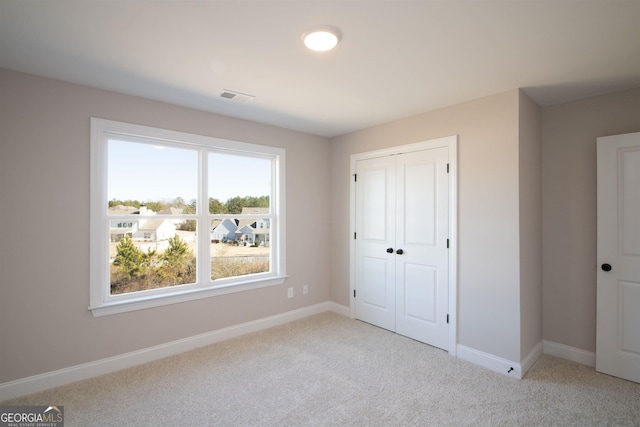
x=355 y=177
x=354 y=293
x=447 y=243
x=447 y=167
x=354 y=235
x=447 y=318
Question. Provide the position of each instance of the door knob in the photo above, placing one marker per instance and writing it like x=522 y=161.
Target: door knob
x=606 y=267
x=399 y=251
x=389 y=250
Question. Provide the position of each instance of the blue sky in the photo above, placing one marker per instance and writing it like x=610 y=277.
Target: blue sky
x=146 y=172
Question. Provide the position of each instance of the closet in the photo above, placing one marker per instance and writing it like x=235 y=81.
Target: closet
x=402 y=241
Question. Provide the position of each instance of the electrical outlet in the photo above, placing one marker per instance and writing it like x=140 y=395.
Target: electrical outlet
x=290 y=293
x=305 y=289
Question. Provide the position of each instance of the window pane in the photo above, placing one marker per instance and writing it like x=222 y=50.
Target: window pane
x=236 y=182
x=240 y=246
x=163 y=208
x=150 y=254
x=151 y=179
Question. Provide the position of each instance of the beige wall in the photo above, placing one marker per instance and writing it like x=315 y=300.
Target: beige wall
x=530 y=157
x=44 y=202
x=488 y=206
x=44 y=228
x=569 y=133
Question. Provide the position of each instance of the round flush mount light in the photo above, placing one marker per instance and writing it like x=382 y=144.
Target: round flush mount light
x=321 y=38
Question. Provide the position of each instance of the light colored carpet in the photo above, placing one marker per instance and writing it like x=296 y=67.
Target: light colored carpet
x=328 y=370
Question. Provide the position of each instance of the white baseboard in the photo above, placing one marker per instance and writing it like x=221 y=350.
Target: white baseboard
x=570 y=353
x=340 y=309
x=36 y=383
x=490 y=361
x=531 y=358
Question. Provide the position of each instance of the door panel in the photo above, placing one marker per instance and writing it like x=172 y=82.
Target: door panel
x=422 y=230
x=629 y=232
x=618 y=294
x=376 y=293
x=375 y=231
x=629 y=318
x=373 y=183
x=420 y=293
x=420 y=195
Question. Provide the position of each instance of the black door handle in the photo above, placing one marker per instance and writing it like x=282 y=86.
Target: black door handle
x=399 y=251
x=606 y=267
x=389 y=250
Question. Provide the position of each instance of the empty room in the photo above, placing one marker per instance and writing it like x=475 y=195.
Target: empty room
x=320 y=212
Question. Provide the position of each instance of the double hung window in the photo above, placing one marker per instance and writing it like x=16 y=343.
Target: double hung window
x=176 y=216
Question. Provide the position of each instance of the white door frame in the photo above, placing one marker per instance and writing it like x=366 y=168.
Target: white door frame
x=452 y=143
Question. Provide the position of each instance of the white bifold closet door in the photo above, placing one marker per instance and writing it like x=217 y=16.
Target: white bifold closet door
x=402 y=214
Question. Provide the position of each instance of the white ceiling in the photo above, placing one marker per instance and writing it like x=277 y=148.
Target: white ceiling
x=396 y=58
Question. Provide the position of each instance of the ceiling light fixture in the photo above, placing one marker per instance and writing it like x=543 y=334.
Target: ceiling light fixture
x=321 y=38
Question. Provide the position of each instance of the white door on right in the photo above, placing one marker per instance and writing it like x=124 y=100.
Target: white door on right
x=422 y=257
x=618 y=293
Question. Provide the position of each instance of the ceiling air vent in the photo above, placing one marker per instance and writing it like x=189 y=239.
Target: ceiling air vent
x=236 y=96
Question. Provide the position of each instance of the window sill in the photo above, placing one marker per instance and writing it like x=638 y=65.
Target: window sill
x=148 y=301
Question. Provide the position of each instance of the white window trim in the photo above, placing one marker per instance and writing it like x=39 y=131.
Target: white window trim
x=101 y=302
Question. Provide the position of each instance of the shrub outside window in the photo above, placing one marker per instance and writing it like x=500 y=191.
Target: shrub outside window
x=177 y=216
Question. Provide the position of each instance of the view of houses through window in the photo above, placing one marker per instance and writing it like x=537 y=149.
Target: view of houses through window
x=154 y=230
